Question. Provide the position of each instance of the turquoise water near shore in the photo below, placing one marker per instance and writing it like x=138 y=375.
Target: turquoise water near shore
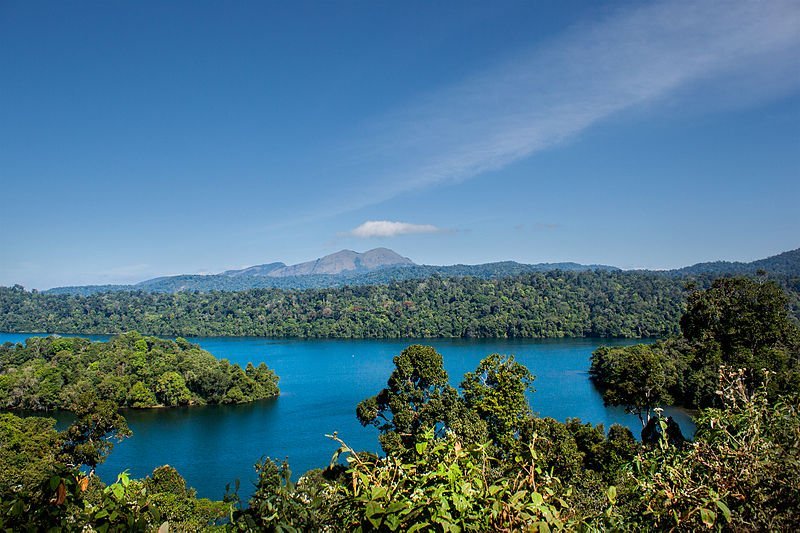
x=321 y=383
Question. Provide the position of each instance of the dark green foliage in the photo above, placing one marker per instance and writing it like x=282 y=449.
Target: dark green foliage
x=555 y=446
x=547 y=304
x=178 y=504
x=636 y=377
x=128 y=370
x=28 y=449
x=741 y=473
x=787 y=264
x=495 y=392
x=412 y=402
x=741 y=323
x=737 y=322
x=87 y=441
x=601 y=453
x=279 y=504
x=68 y=501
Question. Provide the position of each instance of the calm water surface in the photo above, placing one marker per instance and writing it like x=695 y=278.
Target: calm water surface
x=321 y=383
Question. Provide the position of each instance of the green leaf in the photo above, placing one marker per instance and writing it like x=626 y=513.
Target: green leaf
x=612 y=494
x=417 y=527
x=392 y=522
x=395 y=507
x=420 y=447
x=708 y=517
x=374 y=513
x=725 y=511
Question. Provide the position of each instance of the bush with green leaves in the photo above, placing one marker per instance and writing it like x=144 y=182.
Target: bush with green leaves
x=740 y=473
x=444 y=486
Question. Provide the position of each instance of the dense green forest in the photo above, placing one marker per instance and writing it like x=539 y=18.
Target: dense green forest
x=475 y=458
x=548 y=304
x=130 y=370
x=739 y=322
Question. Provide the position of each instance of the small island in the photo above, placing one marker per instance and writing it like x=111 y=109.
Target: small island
x=132 y=370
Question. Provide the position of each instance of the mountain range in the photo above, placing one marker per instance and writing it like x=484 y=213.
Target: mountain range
x=382 y=265
x=333 y=264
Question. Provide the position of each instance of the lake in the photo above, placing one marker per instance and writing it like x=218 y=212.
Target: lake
x=321 y=383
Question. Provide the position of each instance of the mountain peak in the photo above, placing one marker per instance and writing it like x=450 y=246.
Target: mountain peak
x=344 y=261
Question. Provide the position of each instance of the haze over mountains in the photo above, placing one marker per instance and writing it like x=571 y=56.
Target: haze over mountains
x=382 y=265
x=342 y=261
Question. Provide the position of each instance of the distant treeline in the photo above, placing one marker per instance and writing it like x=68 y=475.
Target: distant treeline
x=534 y=305
x=380 y=276
x=538 y=305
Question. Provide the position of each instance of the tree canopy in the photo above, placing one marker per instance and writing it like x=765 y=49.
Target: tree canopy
x=736 y=322
x=129 y=370
x=412 y=401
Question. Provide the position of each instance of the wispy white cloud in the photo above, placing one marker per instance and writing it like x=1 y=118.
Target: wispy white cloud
x=388 y=228
x=548 y=95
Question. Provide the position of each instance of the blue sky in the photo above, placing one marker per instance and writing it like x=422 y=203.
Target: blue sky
x=150 y=138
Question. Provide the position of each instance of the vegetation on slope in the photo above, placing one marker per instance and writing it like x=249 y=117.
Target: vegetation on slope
x=550 y=304
x=129 y=370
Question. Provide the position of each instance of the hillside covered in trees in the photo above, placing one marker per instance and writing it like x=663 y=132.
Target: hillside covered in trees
x=549 y=304
x=129 y=370
x=537 y=305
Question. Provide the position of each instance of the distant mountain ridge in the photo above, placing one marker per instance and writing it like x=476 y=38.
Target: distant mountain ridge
x=786 y=263
x=382 y=265
x=333 y=264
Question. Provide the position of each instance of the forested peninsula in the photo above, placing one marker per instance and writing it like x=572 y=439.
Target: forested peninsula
x=129 y=370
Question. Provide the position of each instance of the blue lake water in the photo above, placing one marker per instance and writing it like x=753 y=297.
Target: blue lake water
x=322 y=381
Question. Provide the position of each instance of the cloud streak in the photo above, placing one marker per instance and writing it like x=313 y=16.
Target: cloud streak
x=550 y=94
x=388 y=228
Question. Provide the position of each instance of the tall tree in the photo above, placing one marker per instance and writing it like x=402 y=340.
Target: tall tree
x=496 y=391
x=741 y=323
x=411 y=402
x=635 y=377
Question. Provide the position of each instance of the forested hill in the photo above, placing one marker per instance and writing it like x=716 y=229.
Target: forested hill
x=785 y=264
x=382 y=276
x=317 y=274
x=534 y=305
